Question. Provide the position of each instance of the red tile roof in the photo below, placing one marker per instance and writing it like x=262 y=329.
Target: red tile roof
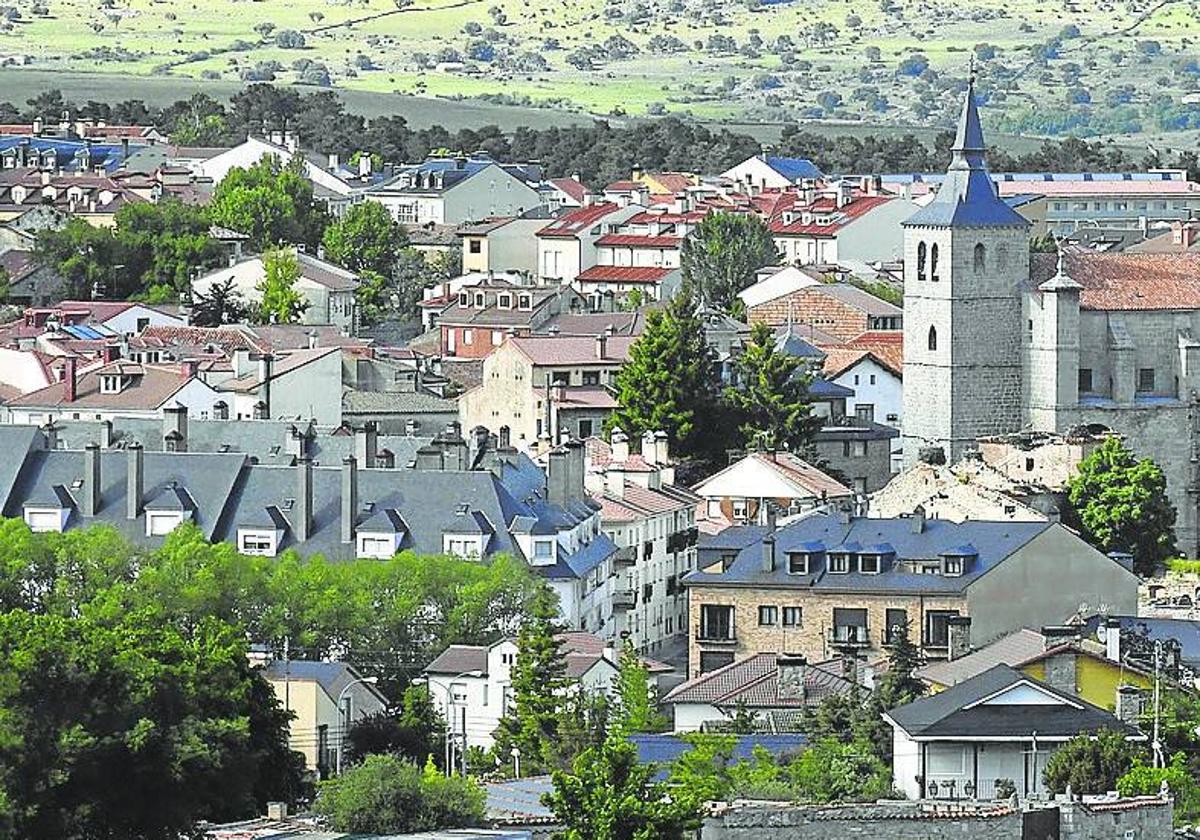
x=571 y=224
x=626 y=186
x=575 y=189
x=841 y=217
x=623 y=274
x=152 y=386
x=673 y=181
x=1127 y=282
x=631 y=240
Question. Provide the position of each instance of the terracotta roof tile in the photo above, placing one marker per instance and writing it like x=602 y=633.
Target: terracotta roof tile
x=1127 y=282
x=571 y=224
x=631 y=240
x=623 y=274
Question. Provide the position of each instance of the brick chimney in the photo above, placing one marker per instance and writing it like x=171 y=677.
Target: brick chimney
x=69 y=380
x=110 y=353
x=789 y=680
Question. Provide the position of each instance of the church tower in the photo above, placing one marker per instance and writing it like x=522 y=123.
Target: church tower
x=966 y=260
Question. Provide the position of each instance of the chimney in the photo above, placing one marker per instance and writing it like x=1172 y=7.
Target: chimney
x=294 y=442
x=958 y=637
x=619 y=441
x=277 y=811
x=557 y=477
x=479 y=444
x=110 y=353
x=366 y=444
x=1058 y=634
x=768 y=553
x=349 y=497
x=266 y=369
x=790 y=673
x=429 y=457
x=850 y=666
x=916 y=522
x=1131 y=703
x=188 y=368
x=601 y=346
x=934 y=455
x=649 y=452
x=770 y=515
x=505 y=438
x=410 y=427
x=69 y=379
x=91 y=481
x=135 y=480
x=662 y=449
x=106 y=434
x=576 y=470
x=364 y=166
x=303 y=522
x=1112 y=639
x=334 y=163
x=51 y=433
x=175 y=428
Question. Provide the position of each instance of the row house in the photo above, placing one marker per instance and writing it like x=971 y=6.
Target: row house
x=568 y=245
x=833 y=582
x=843 y=224
x=481 y=316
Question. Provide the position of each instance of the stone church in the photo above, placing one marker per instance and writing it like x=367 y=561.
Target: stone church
x=996 y=341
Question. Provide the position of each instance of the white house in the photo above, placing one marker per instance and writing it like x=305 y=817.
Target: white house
x=451 y=191
x=297 y=384
x=568 y=245
x=738 y=494
x=244 y=155
x=875 y=380
x=999 y=726
x=775 y=282
x=844 y=223
x=764 y=171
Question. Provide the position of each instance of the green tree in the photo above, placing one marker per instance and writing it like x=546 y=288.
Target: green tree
x=151 y=728
x=387 y=794
x=770 y=399
x=1142 y=779
x=670 y=381
x=164 y=243
x=416 y=731
x=271 y=202
x=538 y=678
x=1121 y=504
x=87 y=258
x=608 y=795
x=723 y=254
x=636 y=706
x=900 y=684
x=834 y=771
x=366 y=238
x=281 y=303
x=1090 y=763
x=221 y=304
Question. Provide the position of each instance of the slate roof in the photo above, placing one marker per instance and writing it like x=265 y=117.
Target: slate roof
x=396 y=402
x=1013 y=649
x=459 y=659
x=1186 y=632
x=333 y=677
x=788 y=340
x=794 y=169
x=994 y=542
x=16 y=442
x=666 y=748
x=968 y=197
x=1126 y=282
x=959 y=713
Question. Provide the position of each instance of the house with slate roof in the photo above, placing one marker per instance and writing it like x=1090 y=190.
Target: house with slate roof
x=833 y=582
x=454 y=190
x=999 y=725
x=763 y=171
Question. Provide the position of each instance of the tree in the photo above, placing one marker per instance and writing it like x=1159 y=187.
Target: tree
x=1090 y=763
x=636 y=708
x=281 y=303
x=670 y=381
x=1121 y=504
x=1144 y=780
x=900 y=684
x=608 y=795
x=271 y=202
x=195 y=732
x=771 y=398
x=722 y=255
x=538 y=680
x=833 y=771
x=416 y=731
x=387 y=794
x=366 y=238
x=221 y=304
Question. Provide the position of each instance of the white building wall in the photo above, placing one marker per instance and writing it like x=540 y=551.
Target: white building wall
x=877 y=386
x=490 y=192
x=127 y=322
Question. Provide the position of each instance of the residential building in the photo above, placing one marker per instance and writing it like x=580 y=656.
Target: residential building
x=764 y=172
x=652 y=522
x=295 y=384
x=744 y=492
x=454 y=190
x=483 y=315
x=608 y=287
x=330 y=184
x=845 y=223
x=1182 y=237
x=102 y=319
x=566 y=192
x=852 y=446
x=841 y=310
x=506 y=243
x=874 y=376
x=775 y=688
x=544 y=385
x=324 y=700
x=471 y=685
x=567 y=246
x=328 y=289
x=839 y=581
x=999 y=725
x=775 y=282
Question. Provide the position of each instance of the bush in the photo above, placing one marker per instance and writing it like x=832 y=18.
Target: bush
x=289 y=39
x=914 y=65
x=1090 y=763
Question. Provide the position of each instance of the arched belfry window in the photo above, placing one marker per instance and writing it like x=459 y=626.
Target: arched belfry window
x=980 y=258
x=933 y=338
x=933 y=262
x=921 y=260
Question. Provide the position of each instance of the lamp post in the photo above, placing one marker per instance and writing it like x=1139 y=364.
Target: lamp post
x=345 y=727
x=448 y=688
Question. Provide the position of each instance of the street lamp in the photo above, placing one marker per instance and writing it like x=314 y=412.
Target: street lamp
x=447 y=687
x=345 y=728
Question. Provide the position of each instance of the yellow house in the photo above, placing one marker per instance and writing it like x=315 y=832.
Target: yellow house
x=1055 y=656
x=324 y=699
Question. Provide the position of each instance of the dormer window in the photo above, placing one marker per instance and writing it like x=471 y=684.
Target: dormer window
x=111 y=383
x=839 y=563
x=798 y=563
x=464 y=299
x=480 y=300
x=869 y=564
x=952 y=567
x=525 y=302
x=505 y=301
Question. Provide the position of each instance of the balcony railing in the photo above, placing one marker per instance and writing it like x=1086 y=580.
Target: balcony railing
x=850 y=636
x=624 y=599
x=711 y=638
x=625 y=557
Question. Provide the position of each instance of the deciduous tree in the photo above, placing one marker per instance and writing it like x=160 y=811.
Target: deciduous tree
x=366 y=238
x=281 y=302
x=722 y=255
x=1090 y=763
x=271 y=202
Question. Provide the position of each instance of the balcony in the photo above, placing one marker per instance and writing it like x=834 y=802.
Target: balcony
x=624 y=599
x=625 y=557
x=849 y=636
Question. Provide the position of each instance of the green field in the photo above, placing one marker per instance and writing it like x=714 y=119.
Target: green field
x=556 y=62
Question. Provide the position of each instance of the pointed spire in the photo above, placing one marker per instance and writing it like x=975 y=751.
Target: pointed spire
x=970 y=133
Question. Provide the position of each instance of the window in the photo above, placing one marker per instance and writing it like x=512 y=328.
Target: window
x=560 y=377
x=458 y=694
x=797 y=563
x=475 y=246
x=716 y=623
x=586 y=428
x=591 y=377
x=897 y=625
x=480 y=300
x=767 y=616
x=933 y=262
x=739 y=510
x=937 y=623
x=711 y=660
x=256 y=542
x=980 y=257
x=921 y=252
x=376 y=546
x=1085 y=380
x=497 y=338
x=868 y=564
x=839 y=564
x=161 y=524
x=1145 y=379
x=932 y=339
x=543 y=549
x=508 y=658
x=952 y=566
x=849 y=625
x=793 y=616
x=468 y=336
x=525 y=301
x=865 y=412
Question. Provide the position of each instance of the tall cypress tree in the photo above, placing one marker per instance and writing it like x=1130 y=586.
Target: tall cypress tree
x=771 y=398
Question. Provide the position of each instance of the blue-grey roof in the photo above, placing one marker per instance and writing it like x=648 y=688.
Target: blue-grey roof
x=794 y=169
x=18 y=442
x=828 y=389
x=788 y=341
x=69 y=154
x=968 y=197
x=385 y=521
x=333 y=677
x=666 y=748
x=1184 y=631
x=171 y=496
x=995 y=541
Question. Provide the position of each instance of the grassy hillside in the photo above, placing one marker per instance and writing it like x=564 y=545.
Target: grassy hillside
x=1091 y=67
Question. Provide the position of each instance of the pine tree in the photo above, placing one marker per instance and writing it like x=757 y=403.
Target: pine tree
x=771 y=397
x=900 y=684
x=636 y=706
x=670 y=381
